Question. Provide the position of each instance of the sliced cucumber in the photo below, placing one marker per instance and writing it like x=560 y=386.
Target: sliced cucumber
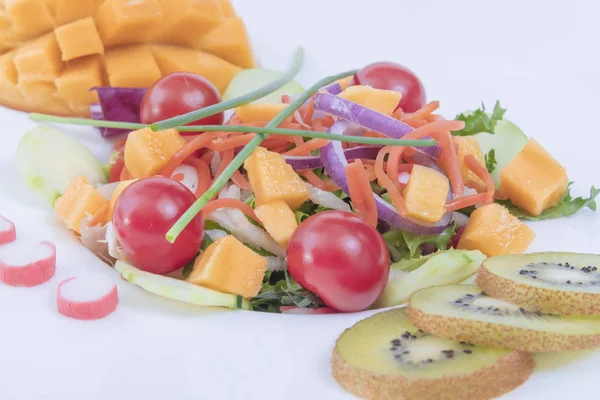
x=179 y=290
x=444 y=267
x=507 y=141
x=49 y=160
x=251 y=79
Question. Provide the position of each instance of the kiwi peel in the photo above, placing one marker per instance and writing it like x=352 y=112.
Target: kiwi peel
x=552 y=282
x=385 y=356
x=465 y=313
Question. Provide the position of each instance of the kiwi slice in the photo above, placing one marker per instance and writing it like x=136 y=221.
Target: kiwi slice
x=553 y=283
x=386 y=357
x=464 y=312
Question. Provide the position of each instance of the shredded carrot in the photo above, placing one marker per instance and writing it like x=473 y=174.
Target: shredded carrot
x=117 y=167
x=226 y=158
x=99 y=216
x=177 y=177
x=482 y=173
x=387 y=183
x=298 y=140
x=281 y=148
x=415 y=123
x=203 y=173
x=361 y=193
x=208 y=156
x=124 y=174
x=198 y=143
x=398 y=113
x=240 y=181
x=466 y=201
x=330 y=185
x=309 y=110
x=306 y=148
x=374 y=134
x=449 y=159
x=370 y=171
x=312 y=178
x=230 y=203
x=424 y=111
x=120 y=144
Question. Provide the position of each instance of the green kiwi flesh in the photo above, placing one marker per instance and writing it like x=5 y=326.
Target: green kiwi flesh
x=385 y=356
x=444 y=267
x=465 y=313
x=551 y=282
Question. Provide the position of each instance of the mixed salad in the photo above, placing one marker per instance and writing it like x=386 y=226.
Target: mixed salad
x=349 y=195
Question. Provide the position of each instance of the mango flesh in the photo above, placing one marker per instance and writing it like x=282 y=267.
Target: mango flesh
x=425 y=194
x=256 y=112
x=147 y=152
x=533 y=180
x=494 y=231
x=272 y=179
x=79 y=200
x=228 y=266
x=41 y=40
x=464 y=146
x=278 y=219
x=383 y=101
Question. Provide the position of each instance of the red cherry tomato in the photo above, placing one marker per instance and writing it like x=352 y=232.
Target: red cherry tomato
x=390 y=76
x=340 y=258
x=179 y=93
x=143 y=214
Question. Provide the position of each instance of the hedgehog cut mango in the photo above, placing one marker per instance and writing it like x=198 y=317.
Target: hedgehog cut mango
x=42 y=43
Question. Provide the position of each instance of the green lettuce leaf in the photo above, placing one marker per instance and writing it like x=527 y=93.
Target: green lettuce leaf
x=405 y=245
x=478 y=121
x=278 y=289
x=490 y=160
x=567 y=206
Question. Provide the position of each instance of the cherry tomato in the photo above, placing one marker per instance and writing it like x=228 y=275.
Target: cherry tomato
x=143 y=214
x=390 y=76
x=340 y=258
x=179 y=93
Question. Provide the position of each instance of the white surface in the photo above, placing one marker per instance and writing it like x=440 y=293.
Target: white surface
x=87 y=287
x=538 y=57
x=21 y=253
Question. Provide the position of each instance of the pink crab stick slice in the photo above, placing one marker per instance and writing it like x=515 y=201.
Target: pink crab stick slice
x=301 y=310
x=87 y=297
x=8 y=233
x=27 y=263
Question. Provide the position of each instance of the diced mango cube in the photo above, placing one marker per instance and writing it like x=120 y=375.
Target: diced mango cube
x=71 y=10
x=43 y=96
x=273 y=179
x=113 y=199
x=123 y=22
x=82 y=73
x=30 y=18
x=180 y=17
x=533 y=180
x=494 y=231
x=9 y=91
x=382 y=101
x=255 y=112
x=131 y=66
x=181 y=59
x=79 y=200
x=468 y=145
x=425 y=194
x=78 y=39
x=345 y=82
x=278 y=219
x=147 y=152
x=39 y=59
x=228 y=266
x=230 y=41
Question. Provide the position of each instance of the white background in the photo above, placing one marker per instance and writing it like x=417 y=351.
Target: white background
x=540 y=58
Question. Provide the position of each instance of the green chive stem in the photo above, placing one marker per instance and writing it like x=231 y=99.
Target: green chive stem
x=237 y=162
x=239 y=128
x=235 y=102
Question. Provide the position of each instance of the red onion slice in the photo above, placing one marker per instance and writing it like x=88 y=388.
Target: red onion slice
x=312 y=162
x=333 y=88
x=365 y=117
x=334 y=162
x=117 y=104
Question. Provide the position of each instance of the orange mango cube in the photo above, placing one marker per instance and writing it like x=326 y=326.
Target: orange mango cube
x=382 y=101
x=85 y=72
x=230 y=41
x=30 y=18
x=255 y=112
x=425 y=194
x=494 y=231
x=228 y=266
x=131 y=66
x=180 y=17
x=78 y=39
x=122 y=22
x=39 y=59
x=79 y=200
x=272 y=179
x=66 y=11
x=278 y=219
x=147 y=152
x=464 y=146
x=533 y=180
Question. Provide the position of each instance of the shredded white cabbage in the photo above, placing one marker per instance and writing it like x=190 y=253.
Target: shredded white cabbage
x=107 y=190
x=190 y=176
x=275 y=263
x=94 y=238
x=327 y=199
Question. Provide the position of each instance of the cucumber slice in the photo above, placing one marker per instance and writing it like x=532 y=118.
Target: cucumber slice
x=251 y=79
x=179 y=290
x=48 y=160
x=507 y=141
x=444 y=267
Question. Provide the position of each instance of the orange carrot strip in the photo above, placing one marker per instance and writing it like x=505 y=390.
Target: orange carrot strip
x=398 y=113
x=116 y=168
x=370 y=171
x=466 y=201
x=125 y=175
x=196 y=144
x=361 y=193
x=330 y=185
x=305 y=148
x=387 y=183
x=449 y=160
x=177 y=177
x=424 y=111
x=203 y=173
x=483 y=174
x=208 y=156
x=298 y=140
x=120 y=144
x=280 y=148
x=312 y=178
x=99 y=216
x=226 y=158
x=309 y=111
x=230 y=203
x=415 y=123
x=240 y=181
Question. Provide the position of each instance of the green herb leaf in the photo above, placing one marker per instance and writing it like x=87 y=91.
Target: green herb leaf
x=567 y=206
x=278 y=291
x=479 y=121
x=490 y=160
x=251 y=201
x=403 y=245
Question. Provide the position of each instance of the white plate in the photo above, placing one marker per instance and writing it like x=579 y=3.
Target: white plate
x=538 y=57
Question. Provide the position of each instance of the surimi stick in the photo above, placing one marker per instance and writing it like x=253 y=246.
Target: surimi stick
x=27 y=263
x=89 y=296
x=8 y=232
x=301 y=310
